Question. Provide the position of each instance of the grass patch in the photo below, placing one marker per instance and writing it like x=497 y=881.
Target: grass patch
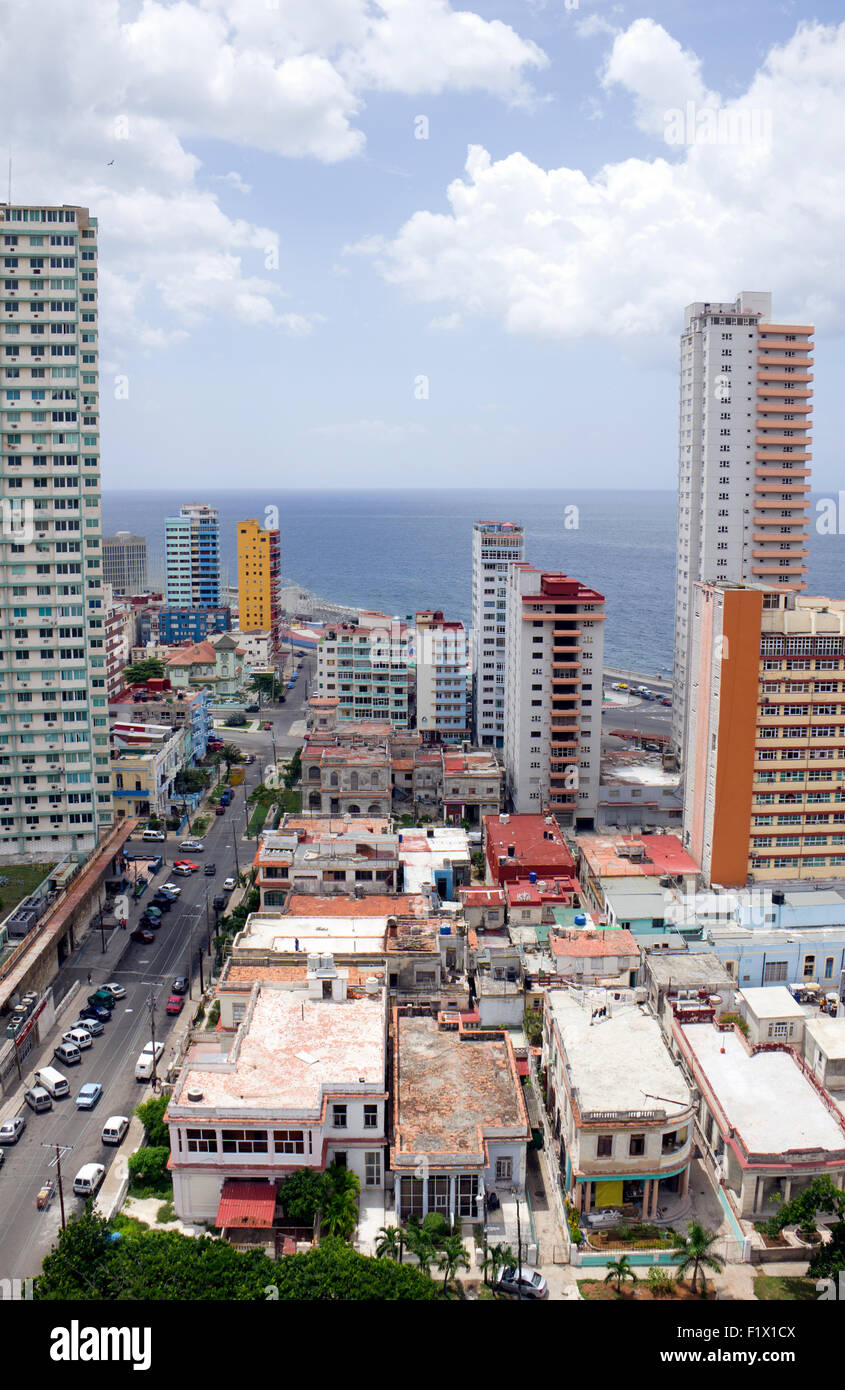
x=128 y=1225
x=200 y=825
x=258 y=817
x=163 y=1189
x=23 y=879
x=165 y=1213
x=785 y=1288
x=638 y=1237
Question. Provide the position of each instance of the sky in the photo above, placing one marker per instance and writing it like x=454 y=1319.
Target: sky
x=401 y=244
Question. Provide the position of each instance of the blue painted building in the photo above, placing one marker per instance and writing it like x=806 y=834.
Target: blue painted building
x=173 y=625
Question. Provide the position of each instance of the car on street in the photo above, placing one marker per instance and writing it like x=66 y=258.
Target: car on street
x=88 y=1096
x=174 y=1004
x=11 y=1131
x=252 y=709
x=210 y=870
x=68 y=1053
x=188 y=864
x=95 y=1011
x=531 y=1284
x=38 y=1099
x=114 y=1130
x=88 y=1179
x=91 y=1025
x=117 y=990
x=142 y=935
x=162 y=901
x=153 y=923
x=250 y=758
x=80 y=1037
x=103 y=998
x=268 y=724
x=230 y=883
x=172 y=889
x=150 y=1048
x=196 y=845
x=665 y=700
x=220 y=810
x=180 y=985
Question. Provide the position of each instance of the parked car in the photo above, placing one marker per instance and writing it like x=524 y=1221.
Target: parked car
x=68 y=1053
x=80 y=1037
x=142 y=935
x=153 y=835
x=45 y=1194
x=174 y=1004
x=666 y=700
x=163 y=902
x=172 y=888
x=91 y=1025
x=11 y=1131
x=38 y=1099
x=615 y=685
x=220 y=810
x=252 y=709
x=230 y=883
x=117 y=990
x=103 y=998
x=183 y=864
x=88 y=1179
x=218 y=902
x=95 y=1011
x=196 y=845
x=115 y=1129
x=210 y=870
x=88 y=1096
x=530 y=1285
x=268 y=724
x=153 y=923
x=180 y=985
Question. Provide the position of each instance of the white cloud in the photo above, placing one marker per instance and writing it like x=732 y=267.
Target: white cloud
x=100 y=116
x=446 y=323
x=594 y=25
x=560 y=254
x=369 y=432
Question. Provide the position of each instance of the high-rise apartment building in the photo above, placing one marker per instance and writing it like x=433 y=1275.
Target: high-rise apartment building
x=259 y=573
x=553 y=695
x=765 y=782
x=495 y=545
x=192 y=557
x=743 y=472
x=125 y=563
x=54 y=738
x=366 y=666
x=441 y=670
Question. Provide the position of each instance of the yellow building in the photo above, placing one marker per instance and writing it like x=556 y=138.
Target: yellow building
x=259 y=572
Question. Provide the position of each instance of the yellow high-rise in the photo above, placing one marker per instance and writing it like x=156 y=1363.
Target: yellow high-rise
x=259 y=571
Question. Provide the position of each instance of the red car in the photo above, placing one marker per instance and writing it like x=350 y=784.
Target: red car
x=268 y=724
x=186 y=864
x=142 y=935
x=174 y=1004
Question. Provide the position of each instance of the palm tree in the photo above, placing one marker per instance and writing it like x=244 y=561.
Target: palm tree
x=421 y=1245
x=391 y=1243
x=450 y=1257
x=340 y=1209
x=620 y=1269
x=495 y=1256
x=696 y=1253
x=231 y=754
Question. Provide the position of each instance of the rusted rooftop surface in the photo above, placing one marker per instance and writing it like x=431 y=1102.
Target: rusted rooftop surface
x=290 y=1049
x=317 y=826
x=371 y=905
x=247 y=1205
x=414 y=934
x=584 y=944
x=474 y=764
x=481 y=897
x=655 y=855
x=450 y=1093
x=246 y=975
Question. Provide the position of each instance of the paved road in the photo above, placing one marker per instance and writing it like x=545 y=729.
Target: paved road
x=26 y=1234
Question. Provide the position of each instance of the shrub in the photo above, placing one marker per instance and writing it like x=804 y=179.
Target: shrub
x=660 y=1282
x=151 y=1115
x=148 y=1167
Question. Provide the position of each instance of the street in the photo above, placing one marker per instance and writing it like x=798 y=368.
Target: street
x=180 y=948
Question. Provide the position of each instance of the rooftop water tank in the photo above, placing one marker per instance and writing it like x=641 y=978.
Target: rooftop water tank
x=580 y=919
x=532 y=877
x=372 y=985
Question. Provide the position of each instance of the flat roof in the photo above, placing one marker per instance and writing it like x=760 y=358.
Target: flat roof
x=829 y=1034
x=688 y=970
x=371 y=905
x=660 y=854
x=292 y=1047
x=772 y=1001
x=448 y=1089
x=621 y=1062
x=340 y=935
x=584 y=945
x=766 y=1097
x=628 y=904
x=535 y=838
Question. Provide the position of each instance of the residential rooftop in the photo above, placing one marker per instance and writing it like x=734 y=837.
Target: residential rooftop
x=688 y=970
x=765 y=1097
x=773 y=1001
x=620 y=1062
x=581 y=943
x=829 y=1035
x=267 y=931
x=633 y=855
x=287 y=1050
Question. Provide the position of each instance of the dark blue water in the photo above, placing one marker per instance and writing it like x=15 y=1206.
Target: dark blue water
x=408 y=550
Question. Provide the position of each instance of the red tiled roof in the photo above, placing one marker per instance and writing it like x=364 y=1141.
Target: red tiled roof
x=246 y=1204
x=371 y=905
x=522 y=1066
x=481 y=897
x=584 y=944
x=196 y=653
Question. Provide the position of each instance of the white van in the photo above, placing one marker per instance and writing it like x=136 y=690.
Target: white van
x=115 y=1128
x=80 y=1037
x=144 y=1064
x=88 y=1179
x=153 y=835
x=52 y=1081
x=67 y=1052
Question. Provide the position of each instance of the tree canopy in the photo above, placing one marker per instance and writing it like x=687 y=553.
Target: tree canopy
x=139 y=671
x=88 y=1264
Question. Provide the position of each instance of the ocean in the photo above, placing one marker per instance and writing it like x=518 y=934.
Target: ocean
x=400 y=551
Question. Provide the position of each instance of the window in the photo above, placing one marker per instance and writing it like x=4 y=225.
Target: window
x=339 y=1116
x=828 y=968
x=372 y=1168
x=288 y=1141
x=809 y=967
x=467 y=1195
x=636 y=1146
x=244 y=1141
x=774 y=972
x=202 y=1141
x=504 y=1169
x=370 y=1116
x=604 y=1146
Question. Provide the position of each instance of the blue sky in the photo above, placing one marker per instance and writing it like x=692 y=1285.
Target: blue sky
x=301 y=293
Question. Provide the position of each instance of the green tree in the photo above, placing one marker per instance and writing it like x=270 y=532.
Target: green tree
x=420 y=1244
x=268 y=686
x=150 y=669
x=391 y=1243
x=151 y=1115
x=618 y=1270
x=294 y=770
x=532 y=1024
x=829 y=1260
x=190 y=779
x=451 y=1257
x=818 y=1195
x=148 y=1167
x=231 y=755
x=302 y=1195
x=340 y=1208
x=696 y=1253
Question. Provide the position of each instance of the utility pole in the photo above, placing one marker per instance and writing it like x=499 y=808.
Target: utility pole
x=152 y=1005
x=102 y=929
x=60 y=1149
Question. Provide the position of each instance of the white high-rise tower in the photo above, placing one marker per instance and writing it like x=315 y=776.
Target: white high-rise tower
x=495 y=545
x=743 y=470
